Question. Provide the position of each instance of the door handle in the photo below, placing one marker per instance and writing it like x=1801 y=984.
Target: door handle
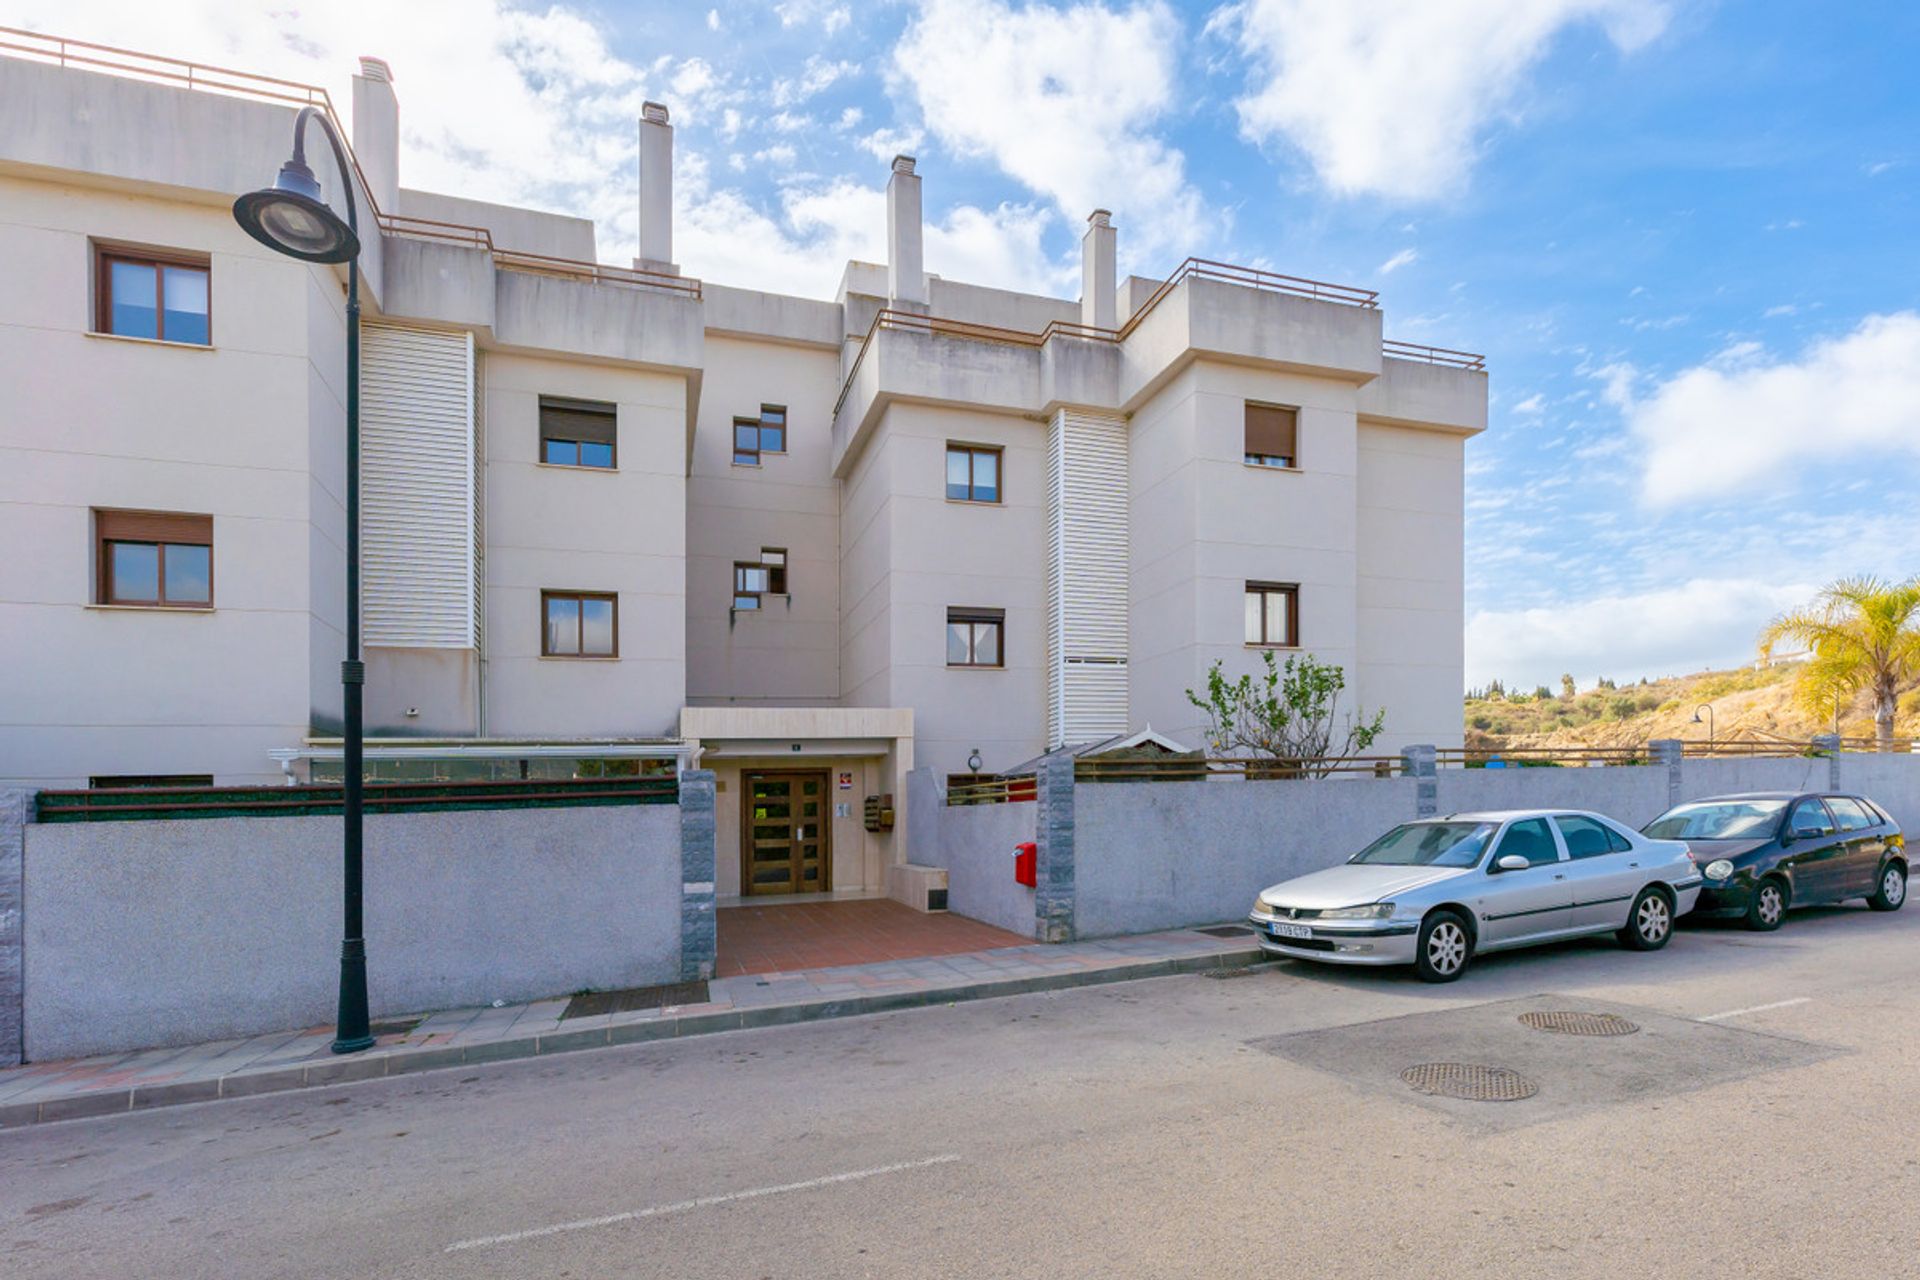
x=1558 y=876
x=1633 y=864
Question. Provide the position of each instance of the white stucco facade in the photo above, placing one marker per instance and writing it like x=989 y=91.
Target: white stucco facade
x=875 y=386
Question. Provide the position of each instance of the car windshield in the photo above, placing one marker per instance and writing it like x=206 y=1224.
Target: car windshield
x=1429 y=844
x=1718 y=820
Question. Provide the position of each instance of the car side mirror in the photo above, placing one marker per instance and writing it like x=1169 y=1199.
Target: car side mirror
x=1512 y=862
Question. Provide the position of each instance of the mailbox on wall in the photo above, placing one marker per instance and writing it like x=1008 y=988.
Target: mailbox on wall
x=879 y=815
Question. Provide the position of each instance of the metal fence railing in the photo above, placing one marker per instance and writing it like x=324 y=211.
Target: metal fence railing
x=121 y=804
x=1397 y=350
x=968 y=789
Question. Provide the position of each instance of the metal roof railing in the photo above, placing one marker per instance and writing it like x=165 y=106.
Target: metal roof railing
x=1432 y=355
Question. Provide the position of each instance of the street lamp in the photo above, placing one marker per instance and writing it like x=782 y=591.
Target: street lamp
x=973 y=760
x=1708 y=708
x=291 y=218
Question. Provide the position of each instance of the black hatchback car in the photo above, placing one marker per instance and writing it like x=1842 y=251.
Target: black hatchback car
x=1769 y=850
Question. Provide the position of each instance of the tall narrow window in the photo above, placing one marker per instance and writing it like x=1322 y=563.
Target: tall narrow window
x=580 y=624
x=1273 y=435
x=754 y=437
x=1273 y=614
x=976 y=637
x=754 y=580
x=143 y=295
x=153 y=559
x=973 y=473
x=577 y=433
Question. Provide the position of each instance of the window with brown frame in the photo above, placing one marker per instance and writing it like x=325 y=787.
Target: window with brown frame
x=754 y=580
x=753 y=437
x=154 y=559
x=976 y=637
x=1273 y=614
x=1273 y=435
x=122 y=781
x=142 y=294
x=577 y=433
x=973 y=472
x=579 y=624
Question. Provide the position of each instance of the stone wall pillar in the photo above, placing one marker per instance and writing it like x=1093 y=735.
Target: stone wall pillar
x=1669 y=752
x=1417 y=762
x=1830 y=743
x=699 y=931
x=1054 y=896
x=16 y=807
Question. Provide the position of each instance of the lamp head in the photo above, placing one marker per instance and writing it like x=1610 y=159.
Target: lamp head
x=290 y=217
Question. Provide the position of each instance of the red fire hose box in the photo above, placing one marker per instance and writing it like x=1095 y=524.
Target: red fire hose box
x=1026 y=864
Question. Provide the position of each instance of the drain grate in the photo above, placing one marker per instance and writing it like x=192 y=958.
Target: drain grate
x=1569 y=1023
x=629 y=999
x=1226 y=931
x=1471 y=1081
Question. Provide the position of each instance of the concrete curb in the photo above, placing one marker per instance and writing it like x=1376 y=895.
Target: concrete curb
x=402 y=1061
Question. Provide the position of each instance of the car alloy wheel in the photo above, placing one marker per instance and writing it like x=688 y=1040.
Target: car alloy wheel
x=1653 y=919
x=1447 y=947
x=1769 y=906
x=1893 y=888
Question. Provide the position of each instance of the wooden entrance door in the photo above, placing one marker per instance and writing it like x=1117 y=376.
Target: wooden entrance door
x=785 y=838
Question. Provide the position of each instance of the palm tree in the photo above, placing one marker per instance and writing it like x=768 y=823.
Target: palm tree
x=1860 y=633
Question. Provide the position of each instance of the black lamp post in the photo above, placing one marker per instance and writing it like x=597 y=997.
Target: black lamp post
x=1708 y=708
x=291 y=218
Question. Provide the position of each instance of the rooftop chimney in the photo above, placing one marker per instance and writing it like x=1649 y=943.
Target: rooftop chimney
x=1098 y=274
x=906 y=274
x=656 y=189
x=376 y=132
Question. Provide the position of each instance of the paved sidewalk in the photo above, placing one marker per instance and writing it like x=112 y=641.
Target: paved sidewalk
x=284 y=1060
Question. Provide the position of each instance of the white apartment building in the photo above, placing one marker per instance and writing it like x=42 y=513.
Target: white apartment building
x=615 y=513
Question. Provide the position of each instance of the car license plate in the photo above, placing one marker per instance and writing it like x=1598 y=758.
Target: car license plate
x=1292 y=931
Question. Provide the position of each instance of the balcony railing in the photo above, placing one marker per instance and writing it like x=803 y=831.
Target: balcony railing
x=154 y=69
x=1433 y=355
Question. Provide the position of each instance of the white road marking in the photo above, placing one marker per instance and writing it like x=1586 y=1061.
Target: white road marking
x=703 y=1202
x=1754 y=1008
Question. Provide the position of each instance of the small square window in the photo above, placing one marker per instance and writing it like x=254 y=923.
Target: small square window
x=577 y=433
x=155 y=559
x=146 y=295
x=1273 y=435
x=1273 y=614
x=973 y=473
x=579 y=624
x=755 y=437
x=754 y=580
x=976 y=637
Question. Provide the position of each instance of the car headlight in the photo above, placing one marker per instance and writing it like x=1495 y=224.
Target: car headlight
x=1372 y=911
x=1719 y=869
x=1261 y=907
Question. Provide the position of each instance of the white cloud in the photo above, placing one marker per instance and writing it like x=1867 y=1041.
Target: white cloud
x=1702 y=623
x=1532 y=404
x=831 y=17
x=1734 y=422
x=816 y=76
x=780 y=154
x=1403 y=258
x=1064 y=101
x=713 y=19
x=1389 y=98
x=851 y=117
x=1784 y=309
x=885 y=144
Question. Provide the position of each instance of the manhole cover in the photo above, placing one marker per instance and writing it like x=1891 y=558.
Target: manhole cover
x=1470 y=1081
x=1569 y=1023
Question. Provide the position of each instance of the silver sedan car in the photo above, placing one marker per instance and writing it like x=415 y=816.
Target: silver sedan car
x=1436 y=893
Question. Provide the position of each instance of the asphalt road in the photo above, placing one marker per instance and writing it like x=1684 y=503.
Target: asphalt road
x=1761 y=1124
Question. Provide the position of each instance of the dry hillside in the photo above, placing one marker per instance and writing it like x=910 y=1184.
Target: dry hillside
x=1748 y=703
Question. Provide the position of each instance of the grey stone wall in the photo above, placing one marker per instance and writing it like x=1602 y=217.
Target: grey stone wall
x=699 y=928
x=1162 y=855
x=155 y=933
x=975 y=844
x=14 y=809
x=1056 y=907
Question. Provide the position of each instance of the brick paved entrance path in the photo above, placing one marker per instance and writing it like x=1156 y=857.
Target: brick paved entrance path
x=792 y=937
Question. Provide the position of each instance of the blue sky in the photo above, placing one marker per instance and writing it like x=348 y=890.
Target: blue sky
x=1683 y=231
